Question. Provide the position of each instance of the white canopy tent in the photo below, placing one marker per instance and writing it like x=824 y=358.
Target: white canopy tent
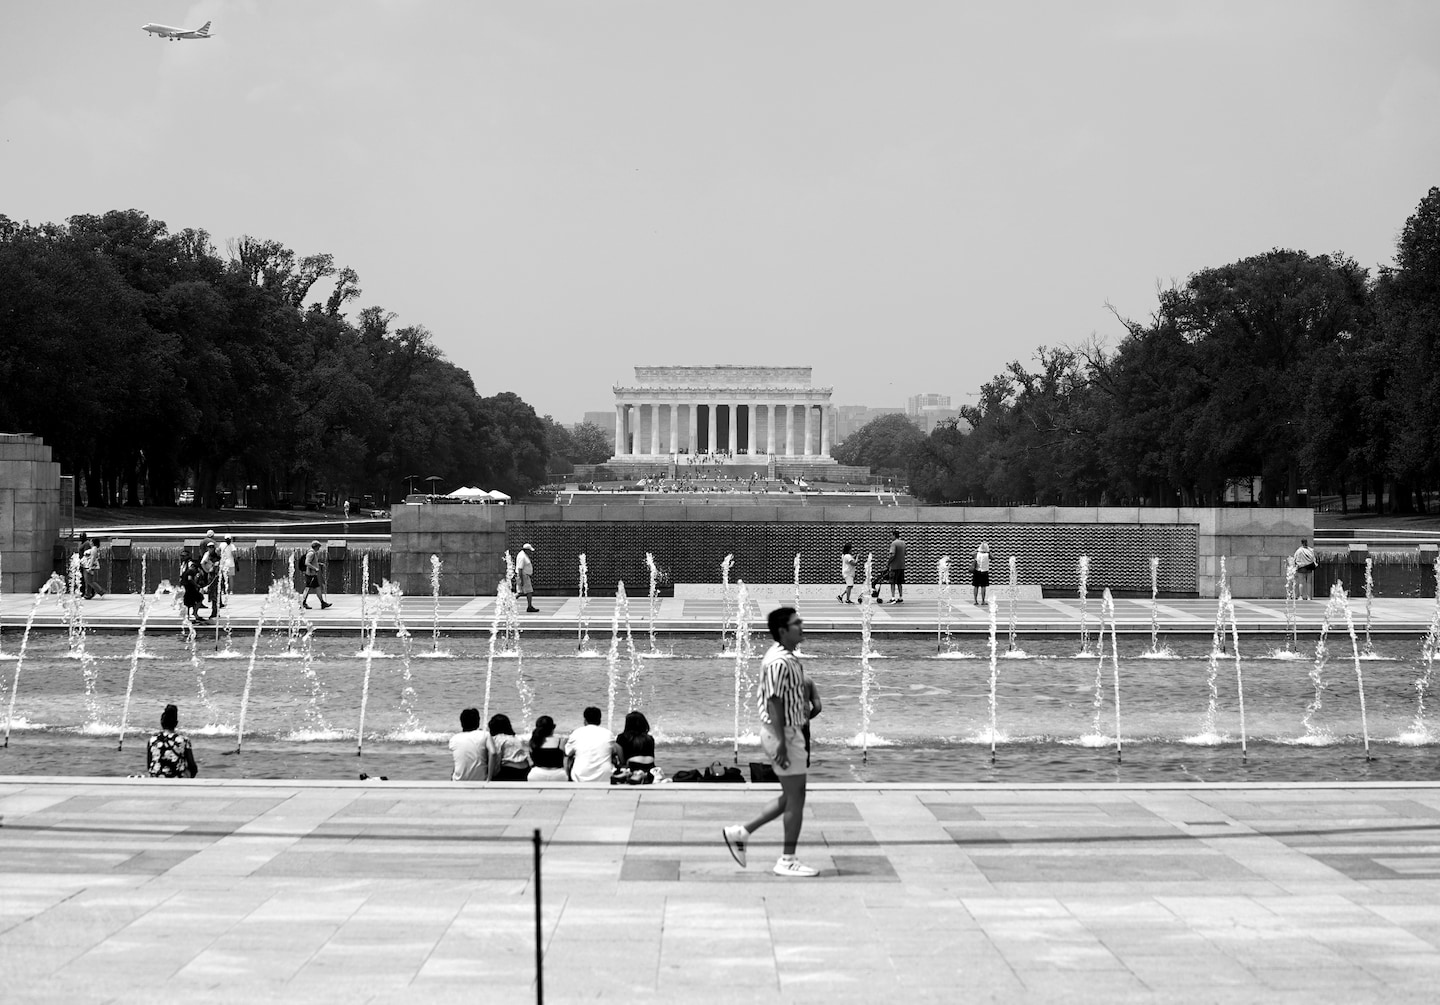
x=469 y=494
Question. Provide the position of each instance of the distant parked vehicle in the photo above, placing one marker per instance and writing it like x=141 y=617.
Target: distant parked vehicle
x=186 y=497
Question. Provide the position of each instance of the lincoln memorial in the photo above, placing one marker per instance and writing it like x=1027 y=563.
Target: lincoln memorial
x=747 y=414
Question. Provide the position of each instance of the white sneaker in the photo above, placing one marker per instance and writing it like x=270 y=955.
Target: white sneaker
x=735 y=838
x=793 y=867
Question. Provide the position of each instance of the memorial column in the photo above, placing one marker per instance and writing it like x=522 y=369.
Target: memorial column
x=789 y=429
x=809 y=416
x=694 y=428
x=827 y=419
x=654 y=429
x=734 y=428
x=710 y=428
x=619 y=430
x=770 y=428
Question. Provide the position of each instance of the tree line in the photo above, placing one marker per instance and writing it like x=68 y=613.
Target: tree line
x=1282 y=372
x=149 y=362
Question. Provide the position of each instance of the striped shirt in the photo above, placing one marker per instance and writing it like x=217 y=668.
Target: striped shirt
x=783 y=677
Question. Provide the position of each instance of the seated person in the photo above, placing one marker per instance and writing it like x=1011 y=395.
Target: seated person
x=168 y=754
x=509 y=755
x=636 y=747
x=547 y=753
x=590 y=750
x=471 y=749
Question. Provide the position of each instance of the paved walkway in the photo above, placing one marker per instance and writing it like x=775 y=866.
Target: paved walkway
x=561 y=614
x=141 y=891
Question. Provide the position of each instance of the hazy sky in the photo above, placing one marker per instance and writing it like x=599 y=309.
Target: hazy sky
x=904 y=196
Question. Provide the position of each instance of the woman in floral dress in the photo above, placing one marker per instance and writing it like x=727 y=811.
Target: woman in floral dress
x=168 y=754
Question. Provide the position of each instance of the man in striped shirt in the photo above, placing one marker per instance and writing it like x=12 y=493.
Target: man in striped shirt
x=784 y=712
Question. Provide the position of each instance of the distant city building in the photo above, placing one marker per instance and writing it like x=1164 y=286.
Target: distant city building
x=849 y=418
x=916 y=403
x=931 y=416
x=605 y=420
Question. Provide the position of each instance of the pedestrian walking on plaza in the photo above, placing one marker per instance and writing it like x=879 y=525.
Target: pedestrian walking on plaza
x=209 y=579
x=228 y=553
x=314 y=573
x=980 y=573
x=896 y=569
x=90 y=567
x=783 y=715
x=1305 y=566
x=847 y=574
x=525 y=578
x=168 y=754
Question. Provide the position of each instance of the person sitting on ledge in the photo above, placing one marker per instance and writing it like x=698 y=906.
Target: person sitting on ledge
x=168 y=754
x=471 y=749
x=547 y=756
x=509 y=755
x=590 y=750
x=635 y=747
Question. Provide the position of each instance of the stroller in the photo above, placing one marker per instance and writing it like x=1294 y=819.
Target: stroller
x=878 y=578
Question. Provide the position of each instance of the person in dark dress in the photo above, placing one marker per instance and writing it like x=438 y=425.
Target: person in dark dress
x=637 y=746
x=547 y=753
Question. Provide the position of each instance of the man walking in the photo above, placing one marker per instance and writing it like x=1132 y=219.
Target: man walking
x=896 y=569
x=314 y=571
x=783 y=715
x=90 y=566
x=525 y=578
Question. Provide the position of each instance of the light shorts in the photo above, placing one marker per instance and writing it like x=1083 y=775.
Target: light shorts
x=527 y=585
x=794 y=748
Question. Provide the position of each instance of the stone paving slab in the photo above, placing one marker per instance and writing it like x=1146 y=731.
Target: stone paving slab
x=562 y=614
x=138 y=890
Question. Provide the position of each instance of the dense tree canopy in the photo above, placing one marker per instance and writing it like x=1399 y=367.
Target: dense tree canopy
x=1285 y=370
x=884 y=445
x=149 y=361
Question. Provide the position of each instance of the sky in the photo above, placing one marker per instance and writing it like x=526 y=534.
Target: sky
x=903 y=196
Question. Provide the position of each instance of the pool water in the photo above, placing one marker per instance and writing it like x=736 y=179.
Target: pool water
x=929 y=719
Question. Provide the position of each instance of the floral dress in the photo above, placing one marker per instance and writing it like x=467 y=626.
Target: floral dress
x=167 y=755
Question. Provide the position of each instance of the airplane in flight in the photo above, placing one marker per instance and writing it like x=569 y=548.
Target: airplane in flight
x=176 y=34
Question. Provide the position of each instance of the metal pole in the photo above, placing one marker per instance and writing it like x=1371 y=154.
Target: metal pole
x=539 y=936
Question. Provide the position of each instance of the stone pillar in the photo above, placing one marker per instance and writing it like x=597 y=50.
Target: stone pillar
x=809 y=418
x=654 y=429
x=789 y=429
x=770 y=428
x=734 y=429
x=827 y=419
x=710 y=427
x=673 y=412
x=694 y=427
x=619 y=430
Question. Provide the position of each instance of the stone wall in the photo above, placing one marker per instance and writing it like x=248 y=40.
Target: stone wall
x=1255 y=544
x=29 y=512
x=470 y=540
x=689 y=542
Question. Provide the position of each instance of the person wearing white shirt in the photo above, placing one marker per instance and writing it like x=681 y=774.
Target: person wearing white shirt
x=590 y=751
x=471 y=749
x=980 y=573
x=228 y=555
x=525 y=578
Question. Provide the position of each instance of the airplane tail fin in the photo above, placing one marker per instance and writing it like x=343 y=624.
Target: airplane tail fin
x=205 y=28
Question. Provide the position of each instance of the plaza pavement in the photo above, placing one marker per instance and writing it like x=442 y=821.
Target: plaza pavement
x=562 y=614
x=142 y=891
